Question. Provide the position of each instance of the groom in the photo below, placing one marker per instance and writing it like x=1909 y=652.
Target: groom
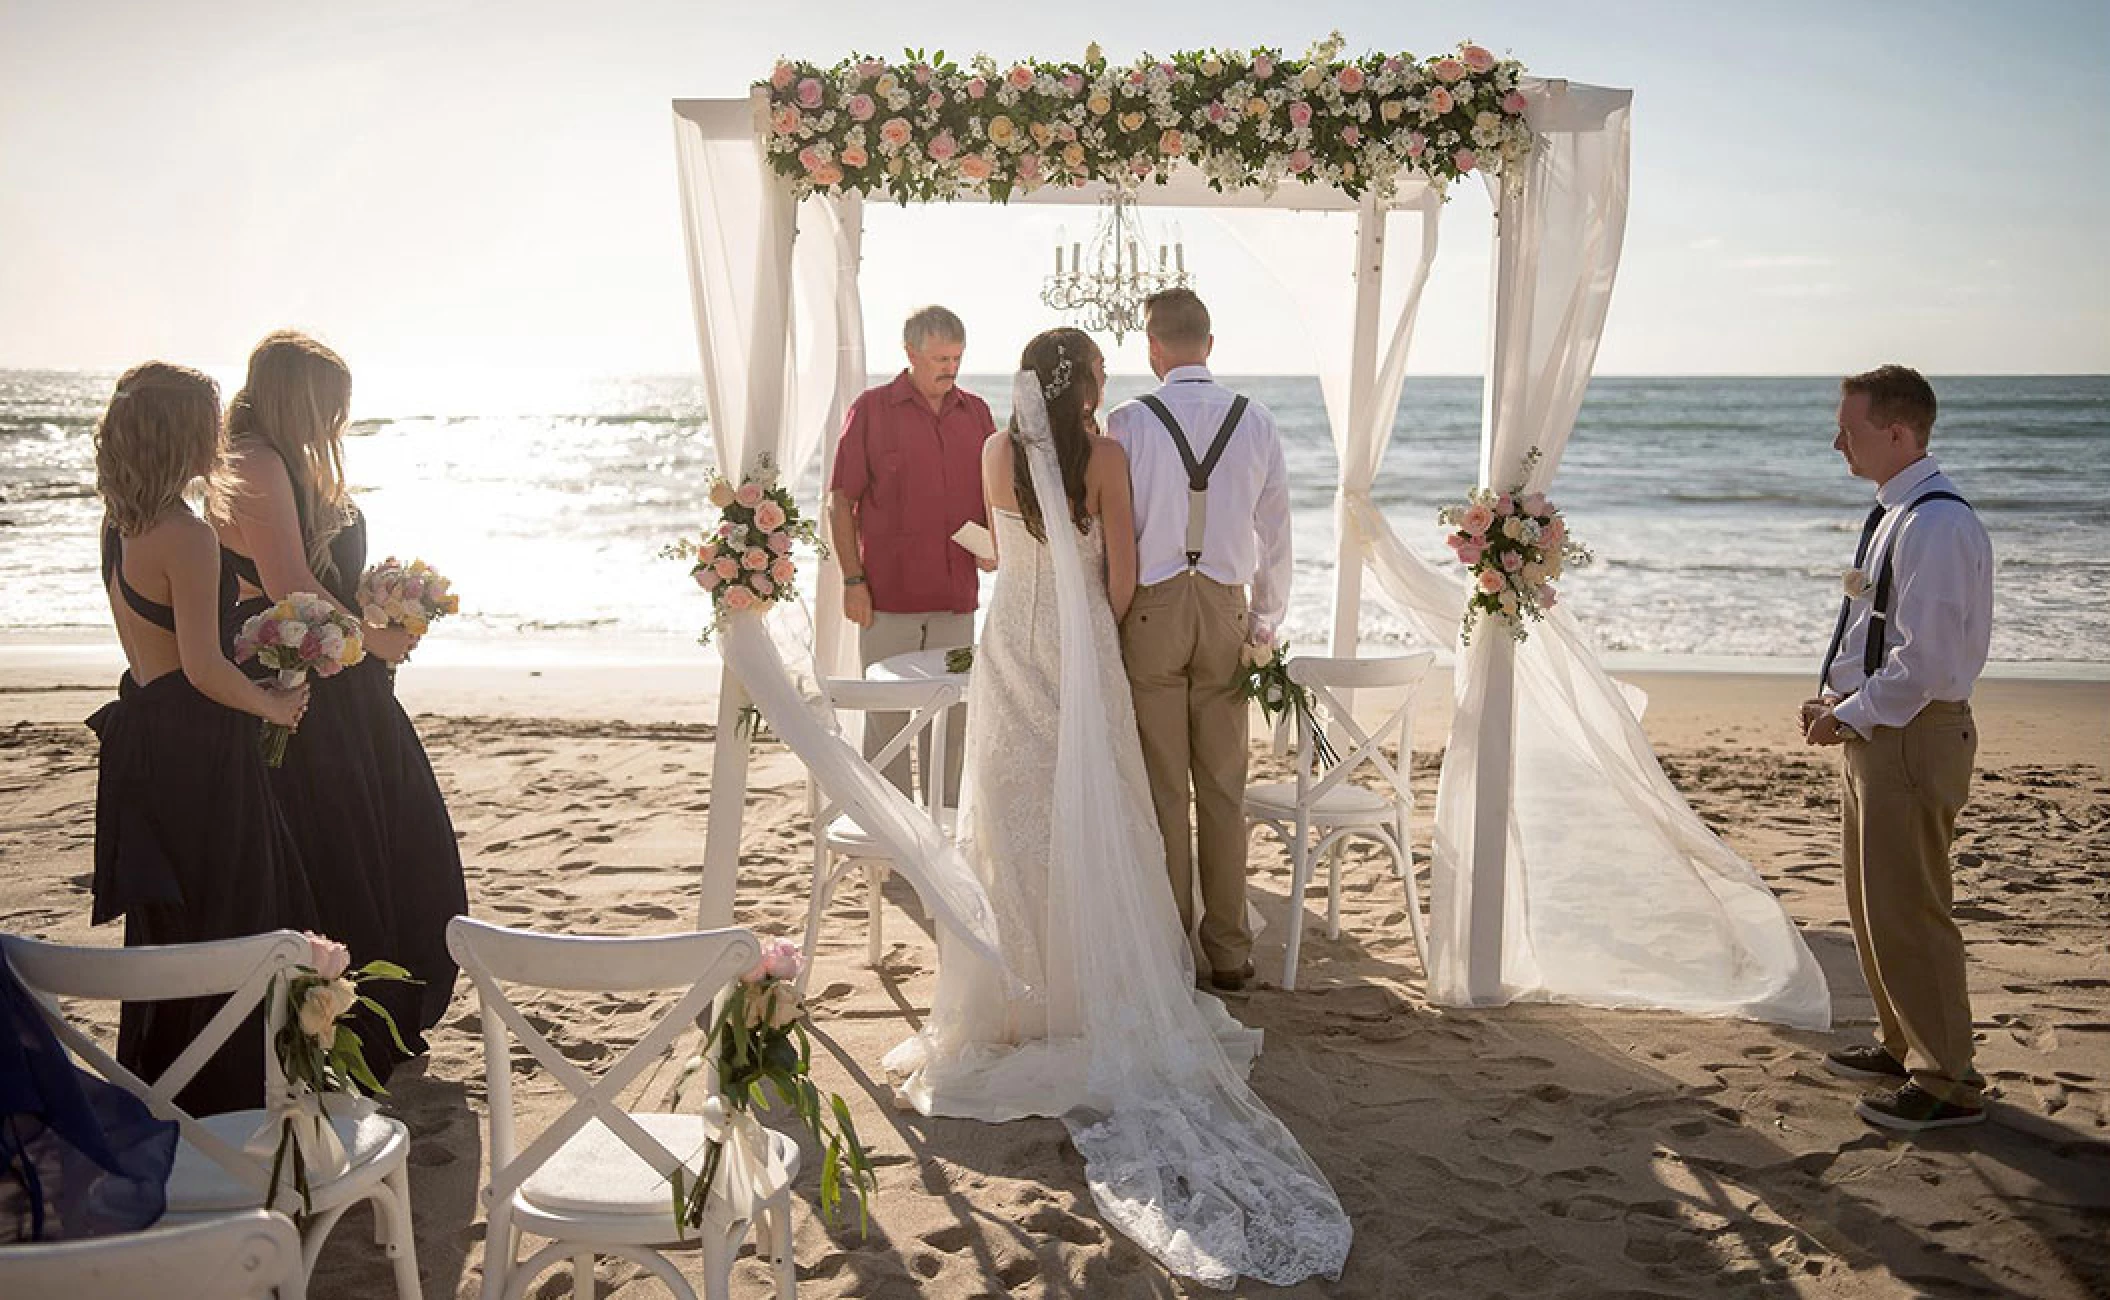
x=1212 y=516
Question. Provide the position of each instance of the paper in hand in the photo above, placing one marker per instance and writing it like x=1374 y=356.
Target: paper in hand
x=976 y=540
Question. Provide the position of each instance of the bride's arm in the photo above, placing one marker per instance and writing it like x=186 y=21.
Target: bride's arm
x=997 y=493
x=1117 y=515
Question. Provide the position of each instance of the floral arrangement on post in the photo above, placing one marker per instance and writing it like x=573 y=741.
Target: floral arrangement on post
x=1263 y=678
x=1514 y=544
x=301 y=634
x=760 y=1044
x=745 y=562
x=927 y=128
x=410 y=596
x=320 y=1055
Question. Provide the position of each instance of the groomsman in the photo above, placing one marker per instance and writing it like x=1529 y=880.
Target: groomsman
x=1911 y=639
x=907 y=475
x=1212 y=516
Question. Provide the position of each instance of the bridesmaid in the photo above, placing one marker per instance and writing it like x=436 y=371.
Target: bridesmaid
x=189 y=843
x=356 y=785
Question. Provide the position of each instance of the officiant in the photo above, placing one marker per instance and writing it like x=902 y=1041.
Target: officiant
x=907 y=476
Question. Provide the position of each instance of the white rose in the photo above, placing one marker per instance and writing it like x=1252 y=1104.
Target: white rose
x=1854 y=582
x=322 y=1004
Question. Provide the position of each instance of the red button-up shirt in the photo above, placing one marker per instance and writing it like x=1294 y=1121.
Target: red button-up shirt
x=916 y=477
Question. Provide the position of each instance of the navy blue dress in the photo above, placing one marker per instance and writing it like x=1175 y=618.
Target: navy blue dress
x=372 y=826
x=189 y=847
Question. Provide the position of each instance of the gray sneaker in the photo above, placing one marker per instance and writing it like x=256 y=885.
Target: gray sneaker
x=1867 y=1064
x=1914 y=1110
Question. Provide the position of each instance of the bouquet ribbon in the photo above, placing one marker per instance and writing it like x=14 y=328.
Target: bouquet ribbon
x=301 y=1112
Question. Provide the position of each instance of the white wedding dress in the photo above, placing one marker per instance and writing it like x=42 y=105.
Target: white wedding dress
x=1098 y=1021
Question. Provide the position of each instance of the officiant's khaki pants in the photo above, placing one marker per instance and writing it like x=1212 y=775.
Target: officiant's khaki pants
x=893 y=634
x=1903 y=790
x=1181 y=641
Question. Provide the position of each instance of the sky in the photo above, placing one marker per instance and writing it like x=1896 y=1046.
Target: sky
x=441 y=186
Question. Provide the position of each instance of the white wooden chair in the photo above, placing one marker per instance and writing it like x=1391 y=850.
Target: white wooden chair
x=599 y=1179
x=1330 y=804
x=839 y=843
x=250 y=1256
x=213 y=1175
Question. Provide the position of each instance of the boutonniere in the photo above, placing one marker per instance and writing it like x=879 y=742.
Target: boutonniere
x=1855 y=583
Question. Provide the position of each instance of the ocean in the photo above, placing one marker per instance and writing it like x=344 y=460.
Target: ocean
x=1719 y=514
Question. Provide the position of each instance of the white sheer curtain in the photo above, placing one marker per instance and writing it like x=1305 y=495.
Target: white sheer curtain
x=743 y=262
x=1604 y=887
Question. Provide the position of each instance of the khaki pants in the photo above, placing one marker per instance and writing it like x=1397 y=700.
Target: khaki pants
x=1903 y=790
x=1181 y=641
x=893 y=634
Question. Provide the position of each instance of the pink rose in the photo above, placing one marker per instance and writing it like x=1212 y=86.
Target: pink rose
x=810 y=158
x=870 y=68
x=1171 y=143
x=1505 y=504
x=769 y=516
x=1476 y=518
x=1300 y=114
x=785 y=120
x=1511 y=562
x=975 y=167
x=827 y=174
x=738 y=599
x=1439 y=101
x=311 y=645
x=1349 y=79
x=780 y=543
x=1448 y=71
x=1029 y=168
x=1477 y=59
x=1490 y=582
x=921 y=73
x=1216 y=111
x=1020 y=77
x=1548 y=597
x=762 y=585
x=1514 y=103
x=944 y=147
x=809 y=93
x=1073 y=83
x=782 y=75
x=895 y=131
x=1465 y=160
x=707 y=578
x=934 y=100
x=755 y=558
x=855 y=156
x=1350 y=135
x=1393 y=65
x=1469 y=555
x=783 y=570
x=1263 y=67
x=748 y=494
x=1551 y=537
x=1300 y=161
x=328 y=957
x=781 y=960
x=728 y=568
x=976 y=88
x=267 y=633
x=1535 y=505
x=1417 y=144
x=861 y=108
x=1136 y=78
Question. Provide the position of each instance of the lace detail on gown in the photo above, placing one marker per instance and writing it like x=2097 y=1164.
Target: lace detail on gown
x=1108 y=1031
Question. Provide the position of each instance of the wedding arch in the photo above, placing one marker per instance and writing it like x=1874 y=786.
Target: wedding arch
x=1565 y=865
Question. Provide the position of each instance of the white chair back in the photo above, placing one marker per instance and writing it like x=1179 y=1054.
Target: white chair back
x=1357 y=748
x=702 y=961
x=245 y=969
x=248 y=1256
x=925 y=702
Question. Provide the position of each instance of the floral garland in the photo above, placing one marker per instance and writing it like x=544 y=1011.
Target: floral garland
x=745 y=563
x=1514 y=544
x=928 y=128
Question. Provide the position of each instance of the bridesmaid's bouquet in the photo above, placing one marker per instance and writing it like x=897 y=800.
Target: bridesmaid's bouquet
x=1514 y=544
x=745 y=562
x=320 y=1055
x=760 y=1044
x=412 y=596
x=301 y=634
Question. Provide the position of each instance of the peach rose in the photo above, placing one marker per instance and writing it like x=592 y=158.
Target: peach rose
x=1489 y=582
x=782 y=75
x=785 y=120
x=783 y=570
x=728 y=568
x=1171 y=143
x=975 y=167
x=1073 y=155
x=1478 y=59
x=769 y=516
x=755 y=559
x=1131 y=121
x=976 y=87
x=944 y=147
x=748 y=494
x=1349 y=79
x=780 y=543
x=860 y=108
x=1300 y=114
x=1465 y=160
x=762 y=585
x=1020 y=77
x=895 y=131
x=707 y=578
x=1002 y=130
x=1440 y=101
x=721 y=493
x=1476 y=519
x=1300 y=161
x=1448 y=71
x=1256 y=107
x=1099 y=104
x=855 y=156
x=738 y=599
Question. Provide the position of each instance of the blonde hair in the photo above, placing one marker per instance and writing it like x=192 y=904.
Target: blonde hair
x=295 y=400
x=160 y=433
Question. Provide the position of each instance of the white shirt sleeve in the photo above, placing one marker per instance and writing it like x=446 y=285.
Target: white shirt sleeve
x=1271 y=577
x=1940 y=613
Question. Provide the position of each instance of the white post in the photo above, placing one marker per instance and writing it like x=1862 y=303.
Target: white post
x=1362 y=386
x=830 y=627
x=1496 y=756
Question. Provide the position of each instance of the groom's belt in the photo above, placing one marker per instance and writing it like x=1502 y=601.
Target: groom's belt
x=1198 y=472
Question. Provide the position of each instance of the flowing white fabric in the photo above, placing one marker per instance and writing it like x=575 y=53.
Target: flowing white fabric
x=1179 y=1153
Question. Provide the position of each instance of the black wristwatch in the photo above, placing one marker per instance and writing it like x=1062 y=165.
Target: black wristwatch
x=857 y=581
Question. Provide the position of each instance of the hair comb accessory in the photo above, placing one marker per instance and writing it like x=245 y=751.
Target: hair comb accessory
x=1059 y=382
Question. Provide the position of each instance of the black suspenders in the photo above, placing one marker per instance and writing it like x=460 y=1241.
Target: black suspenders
x=1198 y=472
x=1879 y=612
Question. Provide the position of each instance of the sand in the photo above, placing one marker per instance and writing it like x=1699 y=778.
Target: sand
x=1525 y=1151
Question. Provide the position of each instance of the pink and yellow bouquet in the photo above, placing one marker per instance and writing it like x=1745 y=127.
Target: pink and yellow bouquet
x=301 y=634
x=1514 y=544
x=392 y=594
x=745 y=563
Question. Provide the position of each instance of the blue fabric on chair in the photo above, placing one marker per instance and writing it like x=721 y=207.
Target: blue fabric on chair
x=79 y=1157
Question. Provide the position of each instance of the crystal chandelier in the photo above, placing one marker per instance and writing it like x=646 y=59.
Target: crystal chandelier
x=1102 y=287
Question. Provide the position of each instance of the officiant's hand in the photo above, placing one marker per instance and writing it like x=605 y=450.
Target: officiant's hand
x=857 y=604
x=986 y=564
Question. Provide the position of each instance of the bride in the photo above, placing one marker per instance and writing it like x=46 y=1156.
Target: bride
x=1099 y=1021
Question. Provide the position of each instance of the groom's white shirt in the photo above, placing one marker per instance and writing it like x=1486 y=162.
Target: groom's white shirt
x=1247 y=541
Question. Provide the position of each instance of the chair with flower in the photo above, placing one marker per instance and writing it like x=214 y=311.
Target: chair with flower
x=233 y=1162
x=601 y=1179
x=1324 y=799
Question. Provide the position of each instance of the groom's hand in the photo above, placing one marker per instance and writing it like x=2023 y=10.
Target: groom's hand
x=1826 y=729
x=1808 y=714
